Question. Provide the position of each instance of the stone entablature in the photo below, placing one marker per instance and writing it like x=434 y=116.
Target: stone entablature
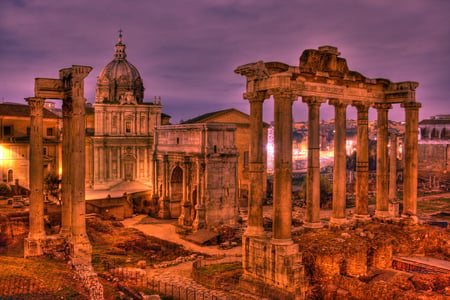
x=195 y=168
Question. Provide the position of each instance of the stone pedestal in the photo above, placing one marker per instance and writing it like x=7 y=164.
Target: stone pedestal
x=32 y=247
x=277 y=265
x=80 y=251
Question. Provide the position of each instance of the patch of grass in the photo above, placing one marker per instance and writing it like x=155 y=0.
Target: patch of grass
x=220 y=268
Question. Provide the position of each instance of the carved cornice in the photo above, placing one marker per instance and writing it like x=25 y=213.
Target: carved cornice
x=36 y=106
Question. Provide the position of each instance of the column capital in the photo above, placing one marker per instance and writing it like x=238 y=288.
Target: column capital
x=337 y=102
x=313 y=100
x=361 y=106
x=383 y=106
x=36 y=106
x=411 y=105
x=283 y=94
x=256 y=96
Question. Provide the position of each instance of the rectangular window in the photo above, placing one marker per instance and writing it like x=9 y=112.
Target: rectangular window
x=45 y=151
x=128 y=126
x=50 y=131
x=7 y=130
x=28 y=131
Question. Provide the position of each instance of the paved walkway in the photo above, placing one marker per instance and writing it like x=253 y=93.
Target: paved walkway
x=166 y=231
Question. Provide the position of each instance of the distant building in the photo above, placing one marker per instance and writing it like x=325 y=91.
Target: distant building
x=15 y=143
x=121 y=126
x=434 y=140
x=242 y=122
x=195 y=174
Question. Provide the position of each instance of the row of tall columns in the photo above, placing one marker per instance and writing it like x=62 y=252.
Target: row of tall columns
x=73 y=225
x=283 y=100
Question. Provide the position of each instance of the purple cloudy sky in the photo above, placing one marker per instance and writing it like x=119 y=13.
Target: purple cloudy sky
x=186 y=51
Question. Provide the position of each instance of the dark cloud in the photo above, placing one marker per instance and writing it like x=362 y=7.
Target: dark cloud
x=186 y=51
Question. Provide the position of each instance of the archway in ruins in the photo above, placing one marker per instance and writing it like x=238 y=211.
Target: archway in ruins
x=176 y=192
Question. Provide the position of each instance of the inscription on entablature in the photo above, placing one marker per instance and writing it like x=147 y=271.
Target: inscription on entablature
x=49 y=88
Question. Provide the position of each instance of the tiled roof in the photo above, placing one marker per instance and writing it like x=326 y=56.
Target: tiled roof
x=434 y=121
x=22 y=110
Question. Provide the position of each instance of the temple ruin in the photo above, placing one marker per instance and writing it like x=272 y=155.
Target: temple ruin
x=70 y=89
x=321 y=76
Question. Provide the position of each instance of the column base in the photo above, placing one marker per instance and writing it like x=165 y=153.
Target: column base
x=65 y=233
x=338 y=221
x=282 y=242
x=80 y=251
x=383 y=214
x=315 y=225
x=255 y=231
x=410 y=220
x=199 y=222
x=362 y=218
x=32 y=247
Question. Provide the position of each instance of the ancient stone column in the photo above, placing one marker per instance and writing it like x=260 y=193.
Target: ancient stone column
x=340 y=163
x=80 y=246
x=255 y=201
x=164 y=209
x=313 y=175
x=362 y=161
x=66 y=186
x=36 y=234
x=393 y=169
x=199 y=221
x=185 y=205
x=282 y=197
x=411 y=159
x=382 y=207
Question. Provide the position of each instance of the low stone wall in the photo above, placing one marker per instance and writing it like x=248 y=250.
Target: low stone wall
x=89 y=279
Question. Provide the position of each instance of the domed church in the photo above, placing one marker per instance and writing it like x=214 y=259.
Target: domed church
x=121 y=146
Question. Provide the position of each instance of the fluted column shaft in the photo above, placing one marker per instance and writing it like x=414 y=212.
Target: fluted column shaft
x=313 y=172
x=77 y=170
x=282 y=198
x=36 y=220
x=340 y=162
x=411 y=158
x=382 y=207
x=393 y=168
x=362 y=160
x=255 y=201
x=66 y=186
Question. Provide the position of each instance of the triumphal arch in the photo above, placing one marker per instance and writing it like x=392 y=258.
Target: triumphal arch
x=321 y=76
x=69 y=88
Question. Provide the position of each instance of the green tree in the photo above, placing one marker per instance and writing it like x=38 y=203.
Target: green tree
x=51 y=184
x=326 y=191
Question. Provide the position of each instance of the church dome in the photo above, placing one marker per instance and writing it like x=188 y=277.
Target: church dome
x=119 y=79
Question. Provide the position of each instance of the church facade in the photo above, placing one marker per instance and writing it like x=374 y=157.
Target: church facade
x=120 y=148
